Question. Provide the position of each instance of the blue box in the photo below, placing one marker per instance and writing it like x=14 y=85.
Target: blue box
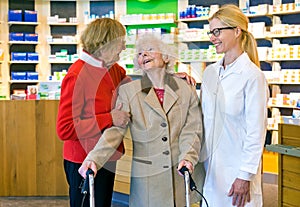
x=19 y=56
x=30 y=16
x=32 y=75
x=15 y=15
x=18 y=75
x=16 y=36
x=32 y=56
x=31 y=37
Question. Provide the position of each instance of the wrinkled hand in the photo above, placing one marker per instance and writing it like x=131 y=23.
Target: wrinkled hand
x=120 y=118
x=85 y=166
x=187 y=164
x=189 y=79
x=240 y=192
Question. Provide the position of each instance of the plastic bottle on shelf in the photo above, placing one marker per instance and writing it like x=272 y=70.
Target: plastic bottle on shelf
x=296 y=110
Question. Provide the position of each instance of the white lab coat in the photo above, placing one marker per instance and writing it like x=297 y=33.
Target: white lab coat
x=234 y=103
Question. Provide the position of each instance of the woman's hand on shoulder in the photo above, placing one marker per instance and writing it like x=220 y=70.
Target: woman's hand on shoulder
x=189 y=79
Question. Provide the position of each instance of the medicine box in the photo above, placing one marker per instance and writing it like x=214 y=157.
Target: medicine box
x=30 y=16
x=32 y=75
x=31 y=37
x=18 y=56
x=15 y=15
x=32 y=56
x=16 y=36
x=18 y=75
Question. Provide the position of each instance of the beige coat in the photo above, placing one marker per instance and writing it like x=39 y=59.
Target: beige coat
x=161 y=137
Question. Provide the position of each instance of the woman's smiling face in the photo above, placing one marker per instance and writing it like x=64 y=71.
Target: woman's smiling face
x=226 y=40
x=150 y=57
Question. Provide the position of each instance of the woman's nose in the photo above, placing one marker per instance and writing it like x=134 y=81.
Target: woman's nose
x=144 y=53
x=212 y=38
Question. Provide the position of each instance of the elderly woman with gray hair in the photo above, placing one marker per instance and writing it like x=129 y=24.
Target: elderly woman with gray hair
x=165 y=126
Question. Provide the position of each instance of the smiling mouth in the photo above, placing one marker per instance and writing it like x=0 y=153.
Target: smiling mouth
x=146 y=61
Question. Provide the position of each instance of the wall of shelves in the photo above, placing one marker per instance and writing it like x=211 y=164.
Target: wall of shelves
x=270 y=18
x=44 y=67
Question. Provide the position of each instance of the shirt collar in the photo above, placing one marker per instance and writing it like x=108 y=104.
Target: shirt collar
x=236 y=66
x=86 y=57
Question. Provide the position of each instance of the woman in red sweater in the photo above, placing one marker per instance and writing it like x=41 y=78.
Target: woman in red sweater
x=86 y=106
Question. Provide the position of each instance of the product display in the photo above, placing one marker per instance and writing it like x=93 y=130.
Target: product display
x=37 y=45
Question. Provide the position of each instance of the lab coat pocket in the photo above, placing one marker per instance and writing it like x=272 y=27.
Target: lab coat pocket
x=234 y=104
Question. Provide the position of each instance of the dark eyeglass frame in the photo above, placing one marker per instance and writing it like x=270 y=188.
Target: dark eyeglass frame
x=217 y=31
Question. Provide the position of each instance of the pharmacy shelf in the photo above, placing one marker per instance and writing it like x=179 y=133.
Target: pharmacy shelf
x=258 y=15
x=199 y=61
x=285 y=12
x=167 y=21
x=282 y=36
x=283 y=59
x=23 y=42
x=60 y=62
x=23 y=23
x=24 y=81
x=62 y=24
x=194 y=19
x=63 y=43
x=281 y=106
x=195 y=40
x=283 y=83
x=24 y=62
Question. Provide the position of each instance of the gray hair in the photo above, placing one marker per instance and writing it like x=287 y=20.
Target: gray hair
x=168 y=52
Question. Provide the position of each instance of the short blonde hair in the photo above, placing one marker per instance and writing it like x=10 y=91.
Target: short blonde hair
x=168 y=52
x=100 y=32
x=232 y=16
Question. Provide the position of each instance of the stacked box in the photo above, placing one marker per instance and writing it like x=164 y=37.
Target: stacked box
x=18 y=56
x=32 y=56
x=16 y=36
x=31 y=37
x=18 y=75
x=30 y=16
x=32 y=75
x=15 y=15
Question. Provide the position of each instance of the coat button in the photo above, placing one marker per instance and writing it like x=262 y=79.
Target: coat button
x=164 y=139
x=163 y=124
x=166 y=152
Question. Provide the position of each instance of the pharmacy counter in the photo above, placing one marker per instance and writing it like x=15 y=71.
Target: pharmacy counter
x=31 y=153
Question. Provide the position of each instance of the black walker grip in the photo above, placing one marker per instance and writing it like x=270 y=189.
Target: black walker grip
x=85 y=186
x=192 y=183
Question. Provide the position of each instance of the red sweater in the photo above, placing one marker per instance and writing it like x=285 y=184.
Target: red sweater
x=87 y=97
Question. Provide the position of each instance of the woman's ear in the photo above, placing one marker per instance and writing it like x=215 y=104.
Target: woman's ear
x=238 y=31
x=165 y=58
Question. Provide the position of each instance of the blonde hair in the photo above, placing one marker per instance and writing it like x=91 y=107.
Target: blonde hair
x=167 y=51
x=232 y=16
x=100 y=32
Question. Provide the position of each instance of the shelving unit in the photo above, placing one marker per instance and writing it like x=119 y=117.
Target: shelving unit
x=21 y=47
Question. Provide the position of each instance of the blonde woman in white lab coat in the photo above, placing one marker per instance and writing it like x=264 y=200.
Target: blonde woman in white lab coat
x=234 y=97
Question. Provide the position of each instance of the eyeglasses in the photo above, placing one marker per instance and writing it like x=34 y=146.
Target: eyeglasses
x=217 y=31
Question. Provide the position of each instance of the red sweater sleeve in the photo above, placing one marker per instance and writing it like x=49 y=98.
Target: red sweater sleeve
x=76 y=118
